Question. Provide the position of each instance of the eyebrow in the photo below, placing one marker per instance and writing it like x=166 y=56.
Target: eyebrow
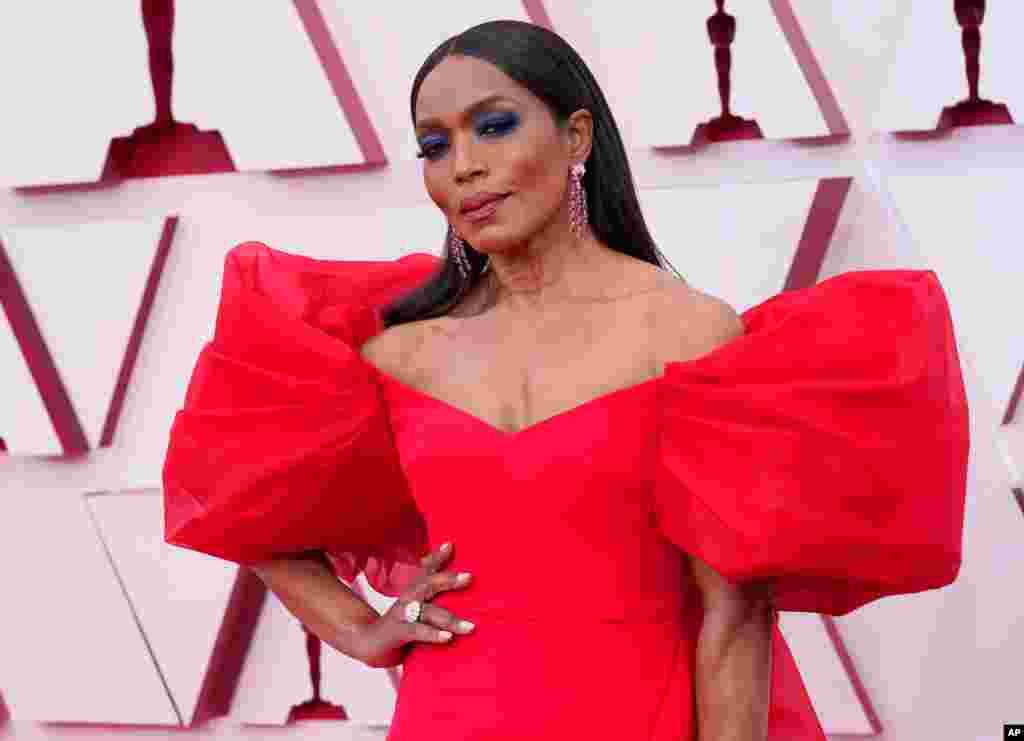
x=432 y=123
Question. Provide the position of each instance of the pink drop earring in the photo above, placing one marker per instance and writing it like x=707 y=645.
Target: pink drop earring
x=578 y=220
x=457 y=249
x=578 y=217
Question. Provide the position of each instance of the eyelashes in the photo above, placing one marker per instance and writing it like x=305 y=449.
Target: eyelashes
x=496 y=126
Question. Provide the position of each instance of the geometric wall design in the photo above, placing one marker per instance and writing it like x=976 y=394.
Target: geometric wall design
x=76 y=298
x=170 y=594
x=72 y=649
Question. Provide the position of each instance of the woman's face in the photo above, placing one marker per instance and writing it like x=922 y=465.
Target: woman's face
x=508 y=145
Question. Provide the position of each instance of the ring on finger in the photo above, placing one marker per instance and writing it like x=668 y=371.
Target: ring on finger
x=411 y=613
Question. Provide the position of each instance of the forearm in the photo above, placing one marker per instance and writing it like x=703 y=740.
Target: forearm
x=310 y=591
x=733 y=675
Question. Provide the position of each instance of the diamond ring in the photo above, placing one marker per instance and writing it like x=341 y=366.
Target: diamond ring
x=411 y=614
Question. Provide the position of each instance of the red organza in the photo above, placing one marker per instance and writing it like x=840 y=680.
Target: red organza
x=825 y=451
x=283 y=444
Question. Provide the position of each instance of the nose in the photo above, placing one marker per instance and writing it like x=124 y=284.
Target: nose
x=464 y=159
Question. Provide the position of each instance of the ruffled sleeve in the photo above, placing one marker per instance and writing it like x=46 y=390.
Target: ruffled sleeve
x=824 y=452
x=283 y=444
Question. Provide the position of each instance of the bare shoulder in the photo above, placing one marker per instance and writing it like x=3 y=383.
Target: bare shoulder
x=391 y=348
x=693 y=323
x=400 y=348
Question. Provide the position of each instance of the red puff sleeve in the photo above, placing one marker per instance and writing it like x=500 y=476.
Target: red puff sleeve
x=824 y=451
x=283 y=444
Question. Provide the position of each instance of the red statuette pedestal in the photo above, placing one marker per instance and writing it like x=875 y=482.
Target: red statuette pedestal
x=167 y=149
x=315 y=708
x=974 y=113
x=726 y=129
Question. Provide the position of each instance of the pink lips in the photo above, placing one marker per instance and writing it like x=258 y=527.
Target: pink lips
x=484 y=211
x=477 y=200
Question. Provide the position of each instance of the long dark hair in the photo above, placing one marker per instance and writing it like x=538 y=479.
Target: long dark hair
x=543 y=62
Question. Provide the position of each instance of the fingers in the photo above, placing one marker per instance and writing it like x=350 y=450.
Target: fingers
x=433 y=561
x=444 y=619
x=436 y=624
x=428 y=588
x=429 y=634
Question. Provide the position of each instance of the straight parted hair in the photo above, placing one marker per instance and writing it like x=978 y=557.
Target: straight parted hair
x=544 y=63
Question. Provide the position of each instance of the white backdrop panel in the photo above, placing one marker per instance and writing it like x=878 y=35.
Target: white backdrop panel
x=84 y=284
x=178 y=595
x=250 y=71
x=734 y=241
x=71 y=648
x=75 y=75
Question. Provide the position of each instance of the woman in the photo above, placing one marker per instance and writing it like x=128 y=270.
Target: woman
x=635 y=478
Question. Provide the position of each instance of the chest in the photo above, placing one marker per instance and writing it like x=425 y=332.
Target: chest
x=513 y=375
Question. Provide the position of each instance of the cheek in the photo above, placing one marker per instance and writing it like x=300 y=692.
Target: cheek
x=537 y=183
x=438 y=193
x=527 y=170
x=545 y=192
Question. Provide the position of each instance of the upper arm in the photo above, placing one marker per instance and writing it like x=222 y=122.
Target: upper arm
x=697 y=324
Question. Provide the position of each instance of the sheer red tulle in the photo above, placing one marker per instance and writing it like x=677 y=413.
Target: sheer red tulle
x=283 y=445
x=824 y=452
x=842 y=403
x=821 y=455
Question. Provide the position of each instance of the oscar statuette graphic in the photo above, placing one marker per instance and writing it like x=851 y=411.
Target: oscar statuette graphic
x=726 y=127
x=974 y=110
x=315 y=708
x=165 y=146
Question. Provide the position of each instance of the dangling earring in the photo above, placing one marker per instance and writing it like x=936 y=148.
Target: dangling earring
x=457 y=249
x=578 y=218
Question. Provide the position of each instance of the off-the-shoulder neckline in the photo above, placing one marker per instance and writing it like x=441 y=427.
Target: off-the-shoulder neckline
x=670 y=368
x=563 y=415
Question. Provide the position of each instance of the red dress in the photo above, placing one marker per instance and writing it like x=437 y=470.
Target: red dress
x=825 y=449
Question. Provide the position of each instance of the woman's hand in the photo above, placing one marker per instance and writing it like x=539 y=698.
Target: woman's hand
x=382 y=642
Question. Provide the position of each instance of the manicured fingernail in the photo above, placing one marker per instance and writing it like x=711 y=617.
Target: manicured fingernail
x=464 y=577
x=446 y=546
x=446 y=635
x=465 y=625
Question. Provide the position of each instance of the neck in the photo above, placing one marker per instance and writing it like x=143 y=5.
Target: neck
x=547 y=273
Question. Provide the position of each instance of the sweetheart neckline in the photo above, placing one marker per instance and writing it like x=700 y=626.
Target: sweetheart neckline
x=667 y=366
x=387 y=377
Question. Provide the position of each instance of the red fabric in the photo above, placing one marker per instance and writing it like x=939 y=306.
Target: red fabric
x=823 y=452
x=283 y=444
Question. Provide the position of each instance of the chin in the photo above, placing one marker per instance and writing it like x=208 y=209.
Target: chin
x=489 y=245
